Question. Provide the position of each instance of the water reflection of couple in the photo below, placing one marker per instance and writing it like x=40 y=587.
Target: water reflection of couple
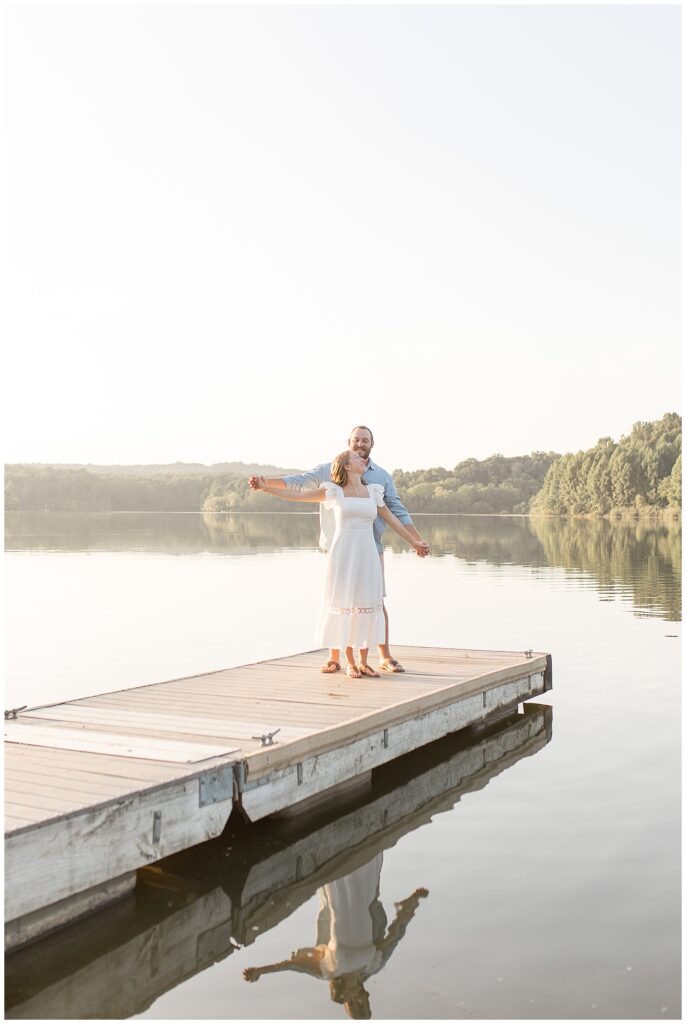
x=352 y=939
x=353 y=613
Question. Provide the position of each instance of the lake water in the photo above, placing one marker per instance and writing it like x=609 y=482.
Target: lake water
x=526 y=871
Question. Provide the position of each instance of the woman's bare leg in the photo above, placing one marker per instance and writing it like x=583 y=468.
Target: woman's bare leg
x=350 y=667
x=334 y=662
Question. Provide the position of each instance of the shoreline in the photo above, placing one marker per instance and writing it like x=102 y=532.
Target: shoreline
x=619 y=515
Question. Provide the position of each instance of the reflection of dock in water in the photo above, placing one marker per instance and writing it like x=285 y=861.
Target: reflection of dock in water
x=195 y=908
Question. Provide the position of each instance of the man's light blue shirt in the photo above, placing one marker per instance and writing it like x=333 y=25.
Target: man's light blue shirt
x=373 y=474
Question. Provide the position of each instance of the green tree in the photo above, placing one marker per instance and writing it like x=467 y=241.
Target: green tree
x=634 y=473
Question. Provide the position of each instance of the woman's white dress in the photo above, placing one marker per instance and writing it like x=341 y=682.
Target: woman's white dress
x=346 y=914
x=352 y=610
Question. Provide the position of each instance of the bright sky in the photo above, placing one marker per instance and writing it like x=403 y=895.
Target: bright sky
x=236 y=232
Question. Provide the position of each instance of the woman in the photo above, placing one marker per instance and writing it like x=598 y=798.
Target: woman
x=352 y=611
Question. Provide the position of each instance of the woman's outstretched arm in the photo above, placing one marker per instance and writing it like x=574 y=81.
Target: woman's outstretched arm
x=288 y=493
x=420 y=546
x=306 y=960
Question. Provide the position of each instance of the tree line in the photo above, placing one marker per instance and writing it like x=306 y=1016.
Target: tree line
x=56 y=489
x=640 y=473
x=493 y=485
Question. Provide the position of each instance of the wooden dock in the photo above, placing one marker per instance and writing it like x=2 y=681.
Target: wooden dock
x=199 y=906
x=98 y=788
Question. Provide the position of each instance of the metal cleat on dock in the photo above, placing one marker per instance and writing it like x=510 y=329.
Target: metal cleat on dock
x=267 y=738
x=13 y=712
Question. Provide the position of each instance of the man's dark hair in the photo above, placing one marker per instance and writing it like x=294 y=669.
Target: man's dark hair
x=360 y=426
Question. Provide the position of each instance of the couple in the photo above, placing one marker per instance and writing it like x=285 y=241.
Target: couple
x=354 y=939
x=353 y=613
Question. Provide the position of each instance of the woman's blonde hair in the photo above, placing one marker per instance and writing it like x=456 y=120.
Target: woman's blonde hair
x=339 y=473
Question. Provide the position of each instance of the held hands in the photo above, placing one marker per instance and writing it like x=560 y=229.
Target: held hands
x=422 y=548
x=256 y=483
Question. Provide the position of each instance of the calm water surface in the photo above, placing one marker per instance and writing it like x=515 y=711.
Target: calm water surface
x=529 y=870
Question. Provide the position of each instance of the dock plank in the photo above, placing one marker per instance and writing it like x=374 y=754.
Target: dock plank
x=306 y=691
x=365 y=691
x=117 y=744
x=232 y=744
x=40 y=799
x=11 y=824
x=61 y=804
x=157 y=724
x=62 y=762
x=221 y=703
x=285 y=711
x=27 y=814
x=357 y=692
x=98 y=786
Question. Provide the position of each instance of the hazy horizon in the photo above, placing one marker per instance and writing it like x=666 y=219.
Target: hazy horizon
x=255 y=462
x=240 y=228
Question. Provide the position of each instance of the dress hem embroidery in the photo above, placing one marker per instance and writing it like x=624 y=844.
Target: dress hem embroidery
x=353 y=610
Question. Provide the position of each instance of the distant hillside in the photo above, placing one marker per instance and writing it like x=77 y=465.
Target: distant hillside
x=181 y=487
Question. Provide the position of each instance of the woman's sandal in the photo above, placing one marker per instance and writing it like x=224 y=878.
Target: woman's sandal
x=367 y=670
x=390 y=665
x=330 y=671
x=353 y=671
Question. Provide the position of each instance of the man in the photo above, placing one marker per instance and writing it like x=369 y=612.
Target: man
x=361 y=440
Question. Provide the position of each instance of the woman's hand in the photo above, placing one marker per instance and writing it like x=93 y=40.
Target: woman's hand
x=257 y=483
x=421 y=547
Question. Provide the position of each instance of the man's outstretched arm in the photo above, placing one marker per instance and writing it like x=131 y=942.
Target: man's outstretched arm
x=267 y=481
x=295 y=480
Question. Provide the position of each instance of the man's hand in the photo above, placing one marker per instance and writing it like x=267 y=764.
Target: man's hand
x=254 y=483
x=412 y=902
x=423 y=549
